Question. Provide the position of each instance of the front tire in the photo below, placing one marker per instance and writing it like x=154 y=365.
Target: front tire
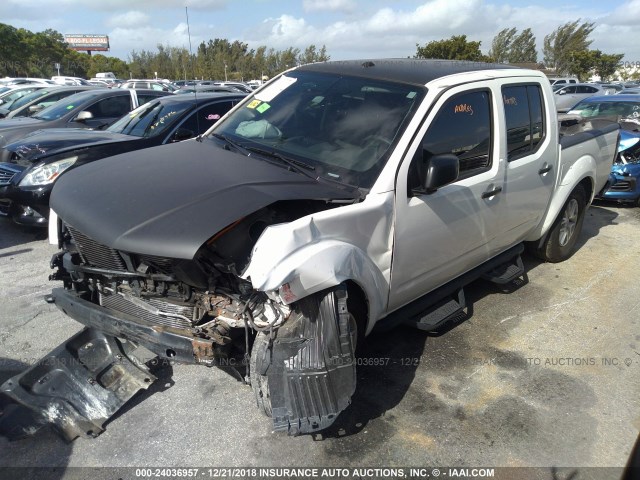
x=560 y=242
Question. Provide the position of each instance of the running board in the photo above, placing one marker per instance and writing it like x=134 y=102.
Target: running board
x=76 y=388
x=507 y=272
x=441 y=312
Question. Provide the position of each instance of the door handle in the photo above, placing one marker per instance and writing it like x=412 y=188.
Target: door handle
x=491 y=193
x=544 y=170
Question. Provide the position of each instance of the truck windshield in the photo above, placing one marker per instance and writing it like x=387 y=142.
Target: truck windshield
x=342 y=126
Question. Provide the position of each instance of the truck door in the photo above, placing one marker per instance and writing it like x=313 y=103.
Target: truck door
x=443 y=234
x=531 y=160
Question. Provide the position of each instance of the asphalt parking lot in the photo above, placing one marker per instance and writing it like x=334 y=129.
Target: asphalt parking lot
x=545 y=376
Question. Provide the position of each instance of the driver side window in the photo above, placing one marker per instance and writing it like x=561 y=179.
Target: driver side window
x=462 y=127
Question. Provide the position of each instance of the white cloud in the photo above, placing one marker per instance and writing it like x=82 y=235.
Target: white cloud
x=148 y=37
x=329 y=5
x=131 y=19
x=627 y=14
x=392 y=31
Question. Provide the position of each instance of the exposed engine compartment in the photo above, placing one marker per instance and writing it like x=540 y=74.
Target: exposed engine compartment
x=205 y=296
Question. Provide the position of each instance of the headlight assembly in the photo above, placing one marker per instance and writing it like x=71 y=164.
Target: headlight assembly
x=46 y=174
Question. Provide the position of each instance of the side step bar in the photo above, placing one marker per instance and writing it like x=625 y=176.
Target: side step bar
x=442 y=312
x=507 y=272
x=447 y=302
x=76 y=388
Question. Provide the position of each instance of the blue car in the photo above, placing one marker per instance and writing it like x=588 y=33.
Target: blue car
x=624 y=180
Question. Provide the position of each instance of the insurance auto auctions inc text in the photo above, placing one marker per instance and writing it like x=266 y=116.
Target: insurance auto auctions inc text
x=360 y=473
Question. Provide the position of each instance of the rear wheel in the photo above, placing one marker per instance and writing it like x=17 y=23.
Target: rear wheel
x=561 y=239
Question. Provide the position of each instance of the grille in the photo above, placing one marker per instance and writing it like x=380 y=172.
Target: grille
x=5 y=176
x=96 y=254
x=160 y=264
x=121 y=304
x=623 y=186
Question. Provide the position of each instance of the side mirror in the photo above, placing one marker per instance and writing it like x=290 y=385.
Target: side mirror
x=561 y=92
x=438 y=171
x=182 y=134
x=35 y=108
x=83 y=116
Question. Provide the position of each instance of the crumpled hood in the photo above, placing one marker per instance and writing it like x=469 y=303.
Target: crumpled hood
x=56 y=140
x=169 y=200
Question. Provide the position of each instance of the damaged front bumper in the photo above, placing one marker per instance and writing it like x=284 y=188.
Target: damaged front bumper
x=179 y=345
x=76 y=388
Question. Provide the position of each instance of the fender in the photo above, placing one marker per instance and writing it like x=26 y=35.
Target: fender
x=570 y=176
x=315 y=267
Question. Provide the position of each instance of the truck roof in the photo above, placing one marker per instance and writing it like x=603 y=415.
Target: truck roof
x=407 y=70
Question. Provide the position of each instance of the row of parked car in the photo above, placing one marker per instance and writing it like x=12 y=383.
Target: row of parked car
x=47 y=129
x=52 y=130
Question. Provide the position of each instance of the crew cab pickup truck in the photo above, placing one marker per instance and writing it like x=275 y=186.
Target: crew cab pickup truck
x=339 y=197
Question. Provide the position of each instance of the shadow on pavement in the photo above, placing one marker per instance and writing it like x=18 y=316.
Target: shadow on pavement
x=12 y=235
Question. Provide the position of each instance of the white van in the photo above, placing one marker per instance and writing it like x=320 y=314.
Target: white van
x=105 y=75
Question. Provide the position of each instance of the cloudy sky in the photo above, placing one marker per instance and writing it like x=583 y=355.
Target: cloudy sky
x=348 y=28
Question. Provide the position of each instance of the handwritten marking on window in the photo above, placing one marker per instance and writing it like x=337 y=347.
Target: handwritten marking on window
x=463 y=108
x=510 y=100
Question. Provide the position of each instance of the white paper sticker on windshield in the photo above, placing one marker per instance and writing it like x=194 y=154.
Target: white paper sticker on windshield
x=270 y=92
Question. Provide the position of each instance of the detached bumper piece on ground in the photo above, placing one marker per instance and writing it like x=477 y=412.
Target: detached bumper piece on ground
x=76 y=388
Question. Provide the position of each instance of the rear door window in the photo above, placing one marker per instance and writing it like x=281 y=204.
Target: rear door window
x=524 y=118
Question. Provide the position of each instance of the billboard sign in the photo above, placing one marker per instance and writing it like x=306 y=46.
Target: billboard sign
x=81 y=41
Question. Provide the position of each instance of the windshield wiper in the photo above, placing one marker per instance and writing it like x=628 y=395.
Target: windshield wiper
x=229 y=142
x=295 y=165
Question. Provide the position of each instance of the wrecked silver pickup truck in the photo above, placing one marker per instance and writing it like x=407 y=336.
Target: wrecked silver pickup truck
x=339 y=197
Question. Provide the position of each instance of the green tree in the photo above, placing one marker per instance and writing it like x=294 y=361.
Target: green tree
x=589 y=62
x=311 y=55
x=455 y=48
x=523 y=48
x=565 y=41
x=501 y=45
x=607 y=64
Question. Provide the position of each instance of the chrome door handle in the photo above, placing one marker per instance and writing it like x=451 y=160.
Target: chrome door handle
x=491 y=193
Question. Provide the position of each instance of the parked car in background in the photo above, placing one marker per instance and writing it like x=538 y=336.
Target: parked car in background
x=96 y=108
x=206 y=89
x=243 y=87
x=624 y=181
x=567 y=97
x=26 y=81
x=562 y=80
x=62 y=80
x=149 y=84
x=630 y=91
x=183 y=83
x=624 y=109
x=15 y=92
x=37 y=160
x=38 y=100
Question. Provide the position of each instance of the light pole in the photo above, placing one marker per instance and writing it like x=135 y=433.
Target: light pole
x=225 y=72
